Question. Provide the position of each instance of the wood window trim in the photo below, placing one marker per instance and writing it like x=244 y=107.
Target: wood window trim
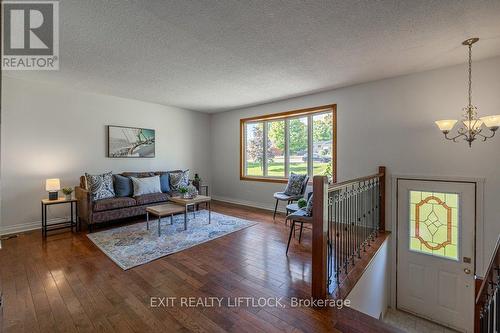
x=283 y=115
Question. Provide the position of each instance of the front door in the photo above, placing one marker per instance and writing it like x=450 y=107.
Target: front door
x=435 y=251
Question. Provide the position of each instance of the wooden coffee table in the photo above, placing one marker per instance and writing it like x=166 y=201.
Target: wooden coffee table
x=193 y=202
x=164 y=210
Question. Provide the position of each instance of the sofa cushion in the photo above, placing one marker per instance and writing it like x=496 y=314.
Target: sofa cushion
x=123 y=186
x=151 y=198
x=164 y=183
x=100 y=186
x=178 y=179
x=146 y=185
x=113 y=203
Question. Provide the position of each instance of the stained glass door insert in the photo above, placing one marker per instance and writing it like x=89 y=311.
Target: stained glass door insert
x=434 y=223
x=435 y=250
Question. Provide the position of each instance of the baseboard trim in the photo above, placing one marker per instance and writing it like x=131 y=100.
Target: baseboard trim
x=281 y=206
x=29 y=226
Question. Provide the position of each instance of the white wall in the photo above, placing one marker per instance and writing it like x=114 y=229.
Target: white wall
x=50 y=131
x=370 y=295
x=388 y=122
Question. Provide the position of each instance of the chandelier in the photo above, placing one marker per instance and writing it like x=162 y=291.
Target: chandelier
x=471 y=127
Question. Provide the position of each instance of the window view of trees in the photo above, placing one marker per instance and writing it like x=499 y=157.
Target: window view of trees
x=255 y=149
x=322 y=144
x=275 y=161
x=298 y=145
x=276 y=149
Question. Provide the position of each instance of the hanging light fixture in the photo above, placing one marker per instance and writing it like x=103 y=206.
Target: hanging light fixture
x=471 y=127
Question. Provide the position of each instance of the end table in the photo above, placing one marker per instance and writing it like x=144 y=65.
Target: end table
x=72 y=223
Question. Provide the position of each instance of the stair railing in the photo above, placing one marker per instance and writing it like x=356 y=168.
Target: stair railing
x=487 y=303
x=347 y=218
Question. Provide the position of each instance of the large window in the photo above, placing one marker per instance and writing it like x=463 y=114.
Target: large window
x=301 y=141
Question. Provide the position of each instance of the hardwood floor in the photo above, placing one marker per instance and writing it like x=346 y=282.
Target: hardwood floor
x=66 y=284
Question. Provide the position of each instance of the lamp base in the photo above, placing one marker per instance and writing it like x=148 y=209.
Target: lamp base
x=53 y=195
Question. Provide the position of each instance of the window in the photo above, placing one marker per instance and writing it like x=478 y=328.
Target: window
x=301 y=141
x=434 y=223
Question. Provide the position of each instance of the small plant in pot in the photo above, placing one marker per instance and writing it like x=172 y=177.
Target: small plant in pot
x=184 y=191
x=302 y=203
x=67 y=192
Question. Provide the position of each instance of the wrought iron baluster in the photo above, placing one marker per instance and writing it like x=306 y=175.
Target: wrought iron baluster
x=337 y=237
x=344 y=233
x=329 y=241
x=351 y=223
x=356 y=217
x=363 y=219
x=377 y=206
x=372 y=212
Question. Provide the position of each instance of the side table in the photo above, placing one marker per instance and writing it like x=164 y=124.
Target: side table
x=72 y=223
x=193 y=202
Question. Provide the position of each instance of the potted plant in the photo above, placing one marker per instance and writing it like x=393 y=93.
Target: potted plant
x=302 y=203
x=184 y=191
x=67 y=192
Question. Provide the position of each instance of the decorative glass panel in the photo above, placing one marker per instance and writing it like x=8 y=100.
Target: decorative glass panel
x=434 y=223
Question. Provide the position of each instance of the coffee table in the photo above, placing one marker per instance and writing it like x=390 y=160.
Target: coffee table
x=193 y=202
x=162 y=211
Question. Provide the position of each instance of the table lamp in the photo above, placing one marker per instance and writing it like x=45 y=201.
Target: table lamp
x=53 y=186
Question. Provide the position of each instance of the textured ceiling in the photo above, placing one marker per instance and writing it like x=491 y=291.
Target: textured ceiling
x=218 y=55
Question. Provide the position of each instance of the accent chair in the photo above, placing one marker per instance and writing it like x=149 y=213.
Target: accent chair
x=282 y=196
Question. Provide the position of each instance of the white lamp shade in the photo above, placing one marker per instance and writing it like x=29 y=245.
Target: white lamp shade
x=474 y=124
x=491 y=121
x=52 y=185
x=446 y=125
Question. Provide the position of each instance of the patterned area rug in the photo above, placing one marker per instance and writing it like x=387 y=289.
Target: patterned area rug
x=134 y=245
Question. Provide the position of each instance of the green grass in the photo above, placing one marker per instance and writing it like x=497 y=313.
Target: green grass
x=278 y=169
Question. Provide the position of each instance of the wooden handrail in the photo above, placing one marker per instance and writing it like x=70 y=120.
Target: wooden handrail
x=337 y=186
x=320 y=225
x=491 y=277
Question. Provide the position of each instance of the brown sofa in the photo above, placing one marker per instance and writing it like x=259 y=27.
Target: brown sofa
x=104 y=210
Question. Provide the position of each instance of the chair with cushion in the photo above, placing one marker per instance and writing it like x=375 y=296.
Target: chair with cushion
x=294 y=190
x=303 y=215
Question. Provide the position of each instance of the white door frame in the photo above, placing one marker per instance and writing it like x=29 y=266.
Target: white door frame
x=479 y=243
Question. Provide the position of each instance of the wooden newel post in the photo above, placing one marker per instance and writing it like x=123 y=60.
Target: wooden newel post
x=319 y=237
x=381 y=170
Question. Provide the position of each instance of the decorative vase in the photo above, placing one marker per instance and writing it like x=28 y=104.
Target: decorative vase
x=68 y=196
x=192 y=191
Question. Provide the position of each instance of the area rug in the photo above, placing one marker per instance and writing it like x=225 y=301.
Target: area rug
x=134 y=245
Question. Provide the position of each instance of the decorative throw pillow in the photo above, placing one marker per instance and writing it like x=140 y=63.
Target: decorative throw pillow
x=100 y=186
x=123 y=186
x=164 y=183
x=295 y=184
x=146 y=185
x=178 y=179
x=309 y=207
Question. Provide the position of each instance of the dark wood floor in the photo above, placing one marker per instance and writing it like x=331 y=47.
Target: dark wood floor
x=66 y=284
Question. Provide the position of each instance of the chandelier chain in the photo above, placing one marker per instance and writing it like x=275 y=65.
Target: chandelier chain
x=470 y=75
